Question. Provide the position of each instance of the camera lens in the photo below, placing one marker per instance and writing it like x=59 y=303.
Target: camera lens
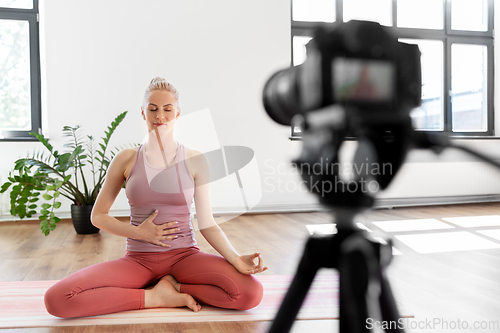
x=281 y=95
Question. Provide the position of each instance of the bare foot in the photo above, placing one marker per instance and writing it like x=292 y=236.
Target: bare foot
x=174 y=282
x=164 y=295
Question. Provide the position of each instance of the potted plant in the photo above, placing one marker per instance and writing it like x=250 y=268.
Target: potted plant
x=52 y=175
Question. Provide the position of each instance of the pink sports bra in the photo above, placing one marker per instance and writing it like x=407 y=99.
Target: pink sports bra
x=170 y=190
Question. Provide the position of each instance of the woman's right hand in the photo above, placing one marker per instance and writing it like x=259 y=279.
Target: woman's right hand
x=155 y=233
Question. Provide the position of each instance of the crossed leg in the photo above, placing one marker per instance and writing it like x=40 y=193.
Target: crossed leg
x=212 y=280
x=113 y=286
x=118 y=285
x=106 y=287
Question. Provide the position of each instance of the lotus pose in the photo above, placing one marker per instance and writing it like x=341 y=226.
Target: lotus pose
x=162 y=179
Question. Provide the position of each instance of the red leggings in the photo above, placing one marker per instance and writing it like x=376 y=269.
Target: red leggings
x=117 y=285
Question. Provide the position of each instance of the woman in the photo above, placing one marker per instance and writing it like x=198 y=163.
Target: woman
x=162 y=178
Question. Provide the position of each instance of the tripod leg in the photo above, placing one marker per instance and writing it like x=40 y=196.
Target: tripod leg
x=306 y=271
x=388 y=306
x=359 y=285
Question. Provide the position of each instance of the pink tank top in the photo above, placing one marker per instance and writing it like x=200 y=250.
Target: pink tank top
x=170 y=190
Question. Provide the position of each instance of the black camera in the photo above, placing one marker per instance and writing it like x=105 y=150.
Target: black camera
x=358 y=81
x=358 y=64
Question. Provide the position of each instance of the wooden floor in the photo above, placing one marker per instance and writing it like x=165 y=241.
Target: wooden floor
x=448 y=286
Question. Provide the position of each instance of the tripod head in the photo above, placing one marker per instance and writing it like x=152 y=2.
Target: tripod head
x=380 y=152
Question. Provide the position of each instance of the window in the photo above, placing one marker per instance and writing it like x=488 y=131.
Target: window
x=455 y=38
x=19 y=70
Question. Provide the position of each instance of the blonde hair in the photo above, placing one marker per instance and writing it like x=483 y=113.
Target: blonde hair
x=159 y=83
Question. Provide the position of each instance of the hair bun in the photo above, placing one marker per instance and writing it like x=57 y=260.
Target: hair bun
x=157 y=79
x=159 y=83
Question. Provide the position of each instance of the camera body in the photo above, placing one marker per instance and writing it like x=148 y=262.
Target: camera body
x=358 y=81
x=358 y=64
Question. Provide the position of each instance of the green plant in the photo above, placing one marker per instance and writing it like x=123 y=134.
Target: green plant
x=51 y=173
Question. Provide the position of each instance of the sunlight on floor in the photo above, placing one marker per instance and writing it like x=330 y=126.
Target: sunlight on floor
x=411 y=225
x=495 y=233
x=330 y=229
x=446 y=242
x=475 y=221
x=321 y=229
x=450 y=238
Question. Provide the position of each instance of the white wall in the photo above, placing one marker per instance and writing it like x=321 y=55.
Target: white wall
x=98 y=57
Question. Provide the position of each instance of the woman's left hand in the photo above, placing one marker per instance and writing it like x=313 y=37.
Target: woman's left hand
x=246 y=264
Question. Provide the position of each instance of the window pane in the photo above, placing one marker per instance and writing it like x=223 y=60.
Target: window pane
x=299 y=49
x=369 y=10
x=469 y=15
x=15 y=100
x=424 y=14
x=430 y=115
x=313 y=10
x=24 y=4
x=469 y=88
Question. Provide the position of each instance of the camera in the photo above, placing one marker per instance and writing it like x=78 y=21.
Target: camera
x=358 y=64
x=358 y=81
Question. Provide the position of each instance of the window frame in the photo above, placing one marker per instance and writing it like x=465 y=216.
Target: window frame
x=445 y=35
x=32 y=17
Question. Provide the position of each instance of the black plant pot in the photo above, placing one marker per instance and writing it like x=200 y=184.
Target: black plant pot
x=81 y=220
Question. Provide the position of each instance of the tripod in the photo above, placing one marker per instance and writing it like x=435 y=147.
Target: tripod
x=365 y=294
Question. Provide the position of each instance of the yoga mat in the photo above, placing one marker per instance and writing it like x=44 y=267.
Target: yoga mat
x=21 y=305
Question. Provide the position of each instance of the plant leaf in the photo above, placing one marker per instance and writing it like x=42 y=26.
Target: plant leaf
x=64 y=162
x=5 y=186
x=45 y=228
x=43 y=140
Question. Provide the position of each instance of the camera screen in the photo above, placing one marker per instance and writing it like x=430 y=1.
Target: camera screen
x=360 y=80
